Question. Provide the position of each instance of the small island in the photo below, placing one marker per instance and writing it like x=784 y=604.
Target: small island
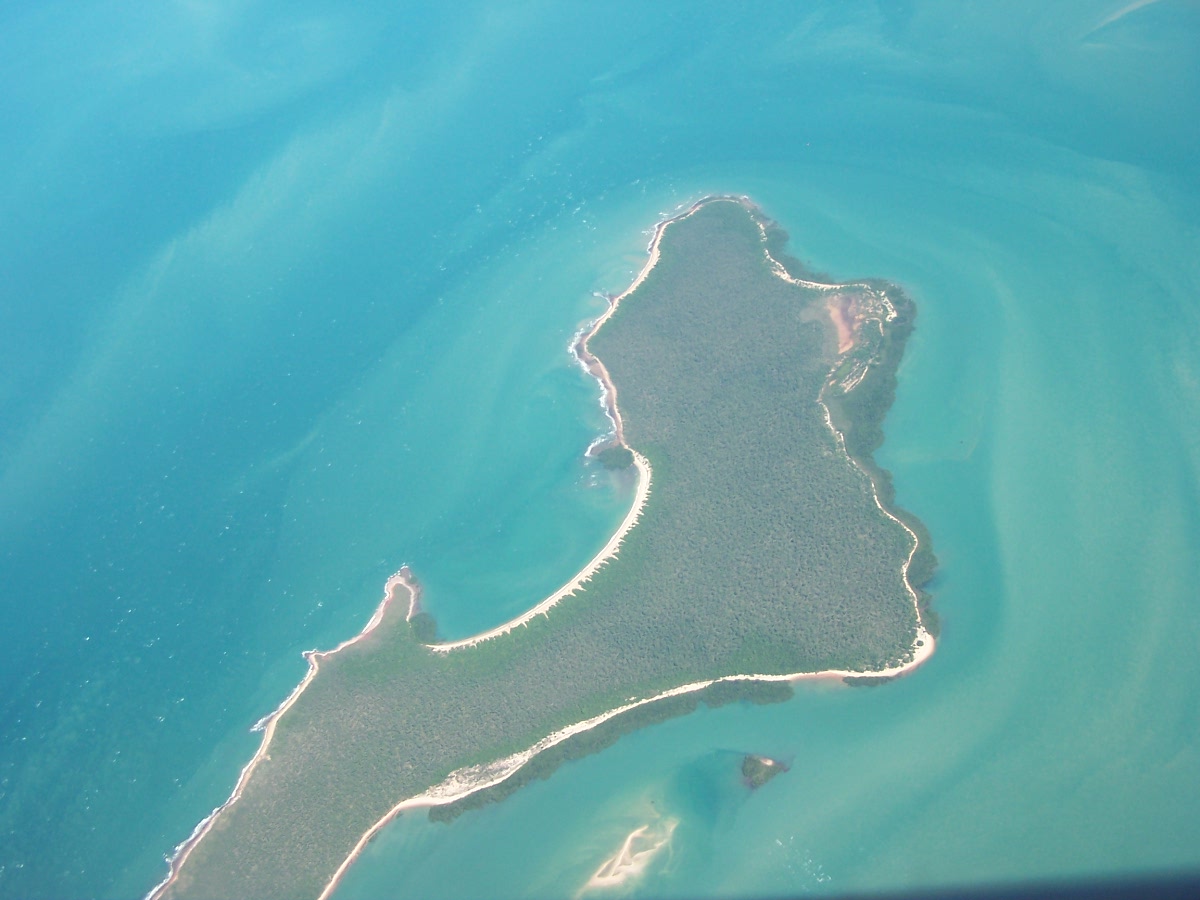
x=758 y=770
x=762 y=548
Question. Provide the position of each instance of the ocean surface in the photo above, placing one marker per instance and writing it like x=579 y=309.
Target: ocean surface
x=286 y=291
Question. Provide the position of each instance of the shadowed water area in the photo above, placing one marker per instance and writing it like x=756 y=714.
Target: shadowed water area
x=287 y=296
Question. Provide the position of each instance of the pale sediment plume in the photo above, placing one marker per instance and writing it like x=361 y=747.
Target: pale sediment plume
x=1119 y=14
x=464 y=782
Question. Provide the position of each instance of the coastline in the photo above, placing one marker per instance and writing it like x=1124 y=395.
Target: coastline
x=579 y=346
x=463 y=782
x=608 y=400
x=606 y=553
x=402 y=578
x=924 y=639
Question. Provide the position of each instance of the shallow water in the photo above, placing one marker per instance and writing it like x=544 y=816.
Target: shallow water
x=291 y=290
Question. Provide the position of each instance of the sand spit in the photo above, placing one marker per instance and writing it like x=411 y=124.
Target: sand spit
x=607 y=553
x=400 y=580
x=464 y=782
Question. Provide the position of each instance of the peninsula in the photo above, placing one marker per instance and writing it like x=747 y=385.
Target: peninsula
x=762 y=548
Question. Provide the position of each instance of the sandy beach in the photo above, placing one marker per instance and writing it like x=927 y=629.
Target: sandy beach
x=606 y=554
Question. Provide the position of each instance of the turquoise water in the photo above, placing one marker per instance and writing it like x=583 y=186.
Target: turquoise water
x=287 y=295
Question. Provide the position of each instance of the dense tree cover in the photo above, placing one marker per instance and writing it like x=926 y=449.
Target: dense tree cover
x=859 y=415
x=616 y=457
x=761 y=551
x=424 y=627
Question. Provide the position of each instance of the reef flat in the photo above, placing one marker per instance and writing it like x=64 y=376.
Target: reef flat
x=761 y=549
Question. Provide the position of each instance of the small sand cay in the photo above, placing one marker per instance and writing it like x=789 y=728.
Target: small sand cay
x=639 y=848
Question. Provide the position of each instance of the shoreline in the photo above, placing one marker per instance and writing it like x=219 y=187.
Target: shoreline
x=461 y=783
x=606 y=554
x=592 y=364
x=923 y=637
x=402 y=578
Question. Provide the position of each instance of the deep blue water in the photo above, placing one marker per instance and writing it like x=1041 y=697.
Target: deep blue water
x=285 y=295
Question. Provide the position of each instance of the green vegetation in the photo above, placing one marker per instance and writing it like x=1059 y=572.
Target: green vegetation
x=866 y=680
x=859 y=415
x=758 y=770
x=424 y=627
x=604 y=735
x=761 y=551
x=616 y=457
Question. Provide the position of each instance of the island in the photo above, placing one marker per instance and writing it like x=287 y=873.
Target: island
x=762 y=548
x=758 y=770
